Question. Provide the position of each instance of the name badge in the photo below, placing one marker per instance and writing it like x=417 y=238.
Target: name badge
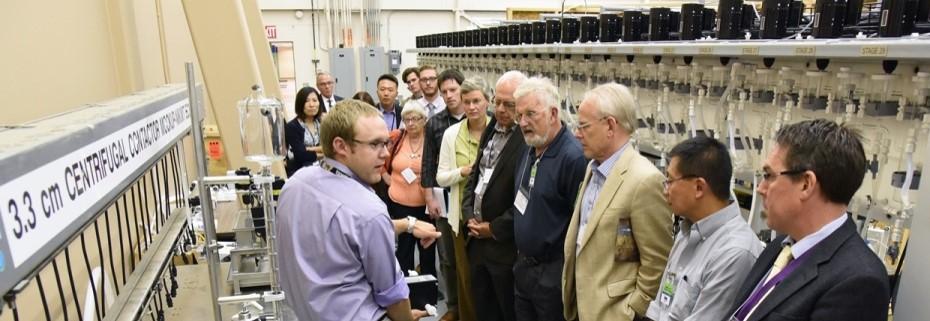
x=520 y=202
x=409 y=175
x=667 y=291
x=483 y=181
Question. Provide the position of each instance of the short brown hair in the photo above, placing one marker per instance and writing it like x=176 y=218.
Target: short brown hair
x=832 y=151
x=425 y=67
x=407 y=72
x=340 y=122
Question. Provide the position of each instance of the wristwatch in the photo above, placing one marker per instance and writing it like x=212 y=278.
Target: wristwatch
x=411 y=221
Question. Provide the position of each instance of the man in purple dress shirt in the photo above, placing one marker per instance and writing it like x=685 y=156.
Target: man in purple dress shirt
x=336 y=240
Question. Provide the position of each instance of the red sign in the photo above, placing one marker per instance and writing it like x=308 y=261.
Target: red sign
x=271 y=32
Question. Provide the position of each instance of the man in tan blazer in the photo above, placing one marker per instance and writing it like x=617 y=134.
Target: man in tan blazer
x=621 y=230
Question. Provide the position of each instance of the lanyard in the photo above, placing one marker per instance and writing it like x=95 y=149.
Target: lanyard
x=332 y=169
x=532 y=180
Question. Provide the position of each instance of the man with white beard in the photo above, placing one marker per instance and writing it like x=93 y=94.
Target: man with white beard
x=549 y=176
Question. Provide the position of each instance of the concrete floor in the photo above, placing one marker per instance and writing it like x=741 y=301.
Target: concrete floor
x=193 y=300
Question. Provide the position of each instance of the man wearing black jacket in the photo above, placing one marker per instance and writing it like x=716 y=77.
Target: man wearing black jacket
x=487 y=207
x=820 y=269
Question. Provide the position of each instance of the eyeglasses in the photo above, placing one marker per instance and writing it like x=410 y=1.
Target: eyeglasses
x=428 y=79
x=510 y=105
x=528 y=115
x=375 y=145
x=668 y=182
x=769 y=177
x=413 y=119
x=582 y=126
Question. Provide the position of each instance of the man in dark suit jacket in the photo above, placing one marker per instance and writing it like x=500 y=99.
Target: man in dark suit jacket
x=327 y=86
x=488 y=207
x=820 y=269
x=387 y=101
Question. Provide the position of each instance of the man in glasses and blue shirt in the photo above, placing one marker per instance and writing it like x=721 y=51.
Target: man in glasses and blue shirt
x=336 y=240
x=715 y=247
x=819 y=268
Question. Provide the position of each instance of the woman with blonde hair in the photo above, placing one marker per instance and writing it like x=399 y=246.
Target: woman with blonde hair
x=457 y=154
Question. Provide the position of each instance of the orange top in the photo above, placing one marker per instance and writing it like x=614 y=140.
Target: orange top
x=401 y=192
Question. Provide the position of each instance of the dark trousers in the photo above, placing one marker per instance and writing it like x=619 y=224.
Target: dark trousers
x=491 y=288
x=406 y=243
x=538 y=289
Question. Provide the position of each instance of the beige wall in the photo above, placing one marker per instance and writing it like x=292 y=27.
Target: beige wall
x=60 y=56
x=55 y=57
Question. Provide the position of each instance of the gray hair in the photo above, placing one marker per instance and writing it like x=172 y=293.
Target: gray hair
x=542 y=89
x=413 y=107
x=615 y=100
x=512 y=77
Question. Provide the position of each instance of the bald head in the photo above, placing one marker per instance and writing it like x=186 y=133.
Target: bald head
x=504 y=103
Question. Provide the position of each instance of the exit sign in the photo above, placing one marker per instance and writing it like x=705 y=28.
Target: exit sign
x=271 y=32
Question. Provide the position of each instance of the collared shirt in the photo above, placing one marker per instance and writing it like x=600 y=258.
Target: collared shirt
x=434 y=107
x=390 y=117
x=799 y=248
x=808 y=242
x=489 y=156
x=311 y=138
x=433 y=131
x=336 y=247
x=598 y=177
x=539 y=231
x=706 y=265
x=330 y=102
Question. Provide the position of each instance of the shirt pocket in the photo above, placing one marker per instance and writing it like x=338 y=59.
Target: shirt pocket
x=686 y=295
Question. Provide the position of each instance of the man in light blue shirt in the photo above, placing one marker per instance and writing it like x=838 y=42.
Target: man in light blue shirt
x=336 y=240
x=715 y=248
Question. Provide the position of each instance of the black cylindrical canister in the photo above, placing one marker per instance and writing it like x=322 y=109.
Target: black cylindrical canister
x=659 y=23
x=795 y=12
x=526 y=33
x=729 y=19
x=539 y=32
x=513 y=31
x=774 y=22
x=854 y=10
x=644 y=26
x=828 y=18
x=492 y=35
x=610 y=27
x=570 y=29
x=923 y=10
x=692 y=21
x=457 y=39
x=674 y=21
x=894 y=19
x=590 y=29
x=553 y=31
x=503 y=35
x=749 y=17
x=483 y=36
x=632 y=25
x=710 y=19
